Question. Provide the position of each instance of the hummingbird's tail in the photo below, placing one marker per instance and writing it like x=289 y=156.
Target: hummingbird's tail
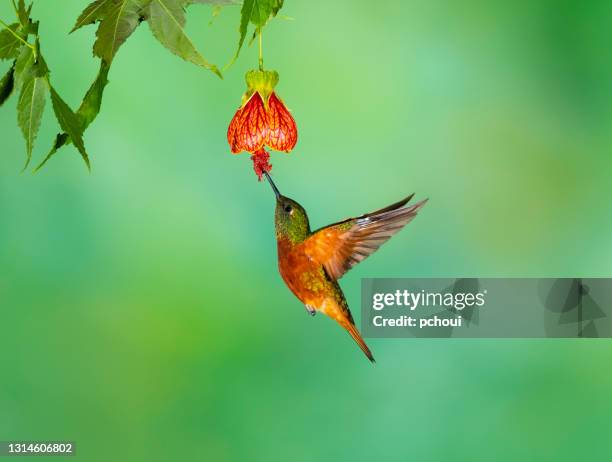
x=340 y=313
x=350 y=327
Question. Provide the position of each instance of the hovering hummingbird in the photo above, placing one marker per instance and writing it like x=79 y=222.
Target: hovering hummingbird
x=311 y=262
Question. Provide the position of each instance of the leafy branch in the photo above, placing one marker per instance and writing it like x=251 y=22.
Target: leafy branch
x=116 y=21
x=258 y=13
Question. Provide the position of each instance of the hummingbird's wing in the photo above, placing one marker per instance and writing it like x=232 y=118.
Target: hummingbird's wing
x=340 y=246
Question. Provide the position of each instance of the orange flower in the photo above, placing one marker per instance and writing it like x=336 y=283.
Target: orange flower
x=282 y=131
x=263 y=119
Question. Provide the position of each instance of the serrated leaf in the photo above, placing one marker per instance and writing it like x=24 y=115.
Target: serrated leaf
x=27 y=67
x=87 y=112
x=24 y=66
x=30 y=110
x=28 y=27
x=120 y=20
x=7 y=84
x=70 y=123
x=93 y=12
x=23 y=13
x=9 y=43
x=166 y=19
x=257 y=12
x=263 y=10
x=90 y=107
x=61 y=139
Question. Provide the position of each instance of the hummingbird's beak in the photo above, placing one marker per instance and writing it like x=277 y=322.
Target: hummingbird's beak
x=274 y=188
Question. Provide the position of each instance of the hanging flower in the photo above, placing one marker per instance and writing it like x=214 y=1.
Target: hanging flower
x=262 y=120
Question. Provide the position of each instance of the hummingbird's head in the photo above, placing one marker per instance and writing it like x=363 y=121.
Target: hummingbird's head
x=290 y=218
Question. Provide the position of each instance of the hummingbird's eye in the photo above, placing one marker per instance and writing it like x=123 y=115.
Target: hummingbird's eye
x=287 y=208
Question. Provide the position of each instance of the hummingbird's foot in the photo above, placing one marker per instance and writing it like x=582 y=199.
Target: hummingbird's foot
x=311 y=310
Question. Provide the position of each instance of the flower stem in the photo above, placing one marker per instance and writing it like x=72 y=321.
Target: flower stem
x=18 y=37
x=260 y=51
x=15 y=8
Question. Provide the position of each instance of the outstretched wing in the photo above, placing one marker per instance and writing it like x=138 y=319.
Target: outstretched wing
x=341 y=246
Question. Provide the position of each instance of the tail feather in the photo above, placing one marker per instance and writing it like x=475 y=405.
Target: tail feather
x=340 y=313
x=350 y=327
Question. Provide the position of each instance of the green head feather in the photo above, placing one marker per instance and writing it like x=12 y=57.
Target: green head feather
x=291 y=220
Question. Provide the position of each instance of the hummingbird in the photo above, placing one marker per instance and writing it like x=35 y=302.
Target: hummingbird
x=312 y=262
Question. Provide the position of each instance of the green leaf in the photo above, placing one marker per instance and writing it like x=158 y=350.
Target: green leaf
x=61 y=139
x=257 y=12
x=23 y=13
x=87 y=112
x=90 y=107
x=7 y=84
x=27 y=67
x=120 y=20
x=31 y=28
x=166 y=19
x=24 y=66
x=30 y=110
x=9 y=43
x=262 y=10
x=28 y=27
x=93 y=12
x=70 y=123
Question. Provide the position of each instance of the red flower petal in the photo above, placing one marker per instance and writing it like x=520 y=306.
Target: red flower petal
x=282 y=134
x=248 y=129
x=231 y=132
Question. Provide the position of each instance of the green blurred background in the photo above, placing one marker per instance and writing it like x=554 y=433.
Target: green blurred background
x=141 y=312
